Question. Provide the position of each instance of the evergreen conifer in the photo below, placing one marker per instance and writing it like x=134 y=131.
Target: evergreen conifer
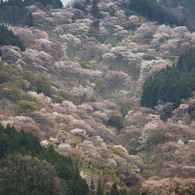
x=95 y=10
x=99 y=190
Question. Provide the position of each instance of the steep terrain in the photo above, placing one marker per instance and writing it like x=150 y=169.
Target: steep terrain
x=78 y=85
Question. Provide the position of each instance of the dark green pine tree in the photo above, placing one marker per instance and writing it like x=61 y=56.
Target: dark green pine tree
x=171 y=84
x=95 y=10
x=99 y=190
x=29 y=19
x=114 y=190
x=7 y=37
x=92 y=188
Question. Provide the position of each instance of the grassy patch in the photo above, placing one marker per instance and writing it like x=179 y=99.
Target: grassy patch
x=97 y=144
x=84 y=64
x=117 y=152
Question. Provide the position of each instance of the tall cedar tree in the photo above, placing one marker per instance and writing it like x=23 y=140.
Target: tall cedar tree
x=29 y=19
x=95 y=10
x=99 y=190
x=92 y=188
x=114 y=190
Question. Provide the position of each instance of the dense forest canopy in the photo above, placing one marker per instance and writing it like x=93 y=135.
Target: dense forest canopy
x=7 y=37
x=153 y=12
x=21 y=3
x=173 y=84
x=29 y=168
x=14 y=12
x=182 y=9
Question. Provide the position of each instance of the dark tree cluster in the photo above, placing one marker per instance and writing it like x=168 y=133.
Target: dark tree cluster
x=100 y=191
x=13 y=15
x=54 y=3
x=29 y=168
x=7 y=37
x=95 y=11
x=153 y=12
x=24 y=3
x=172 y=84
x=14 y=12
x=79 y=5
x=188 y=7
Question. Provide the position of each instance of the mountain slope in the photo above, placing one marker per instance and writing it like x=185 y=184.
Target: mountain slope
x=183 y=9
x=35 y=168
x=78 y=87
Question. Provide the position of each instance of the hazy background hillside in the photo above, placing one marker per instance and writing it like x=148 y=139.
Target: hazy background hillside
x=183 y=9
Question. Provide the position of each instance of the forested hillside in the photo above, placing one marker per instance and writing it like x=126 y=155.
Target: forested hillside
x=78 y=87
x=183 y=9
x=29 y=168
x=14 y=12
x=153 y=12
x=172 y=84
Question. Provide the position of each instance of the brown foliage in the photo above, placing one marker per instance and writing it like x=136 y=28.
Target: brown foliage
x=171 y=186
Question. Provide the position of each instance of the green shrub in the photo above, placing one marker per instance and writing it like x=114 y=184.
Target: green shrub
x=110 y=172
x=129 y=12
x=43 y=85
x=99 y=84
x=116 y=119
x=13 y=82
x=61 y=92
x=58 y=99
x=62 y=95
x=117 y=151
x=39 y=82
x=60 y=119
x=4 y=77
x=9 y=74
x=79 y=5
x=60 y=53
x=156 y=137
x=84 y=64
x=124 y=107
x=30 y=77
x=27 y=97
x=26 y=107
x=10 y=91
x=92 y=99
x=143 y=156
x=96 y=144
